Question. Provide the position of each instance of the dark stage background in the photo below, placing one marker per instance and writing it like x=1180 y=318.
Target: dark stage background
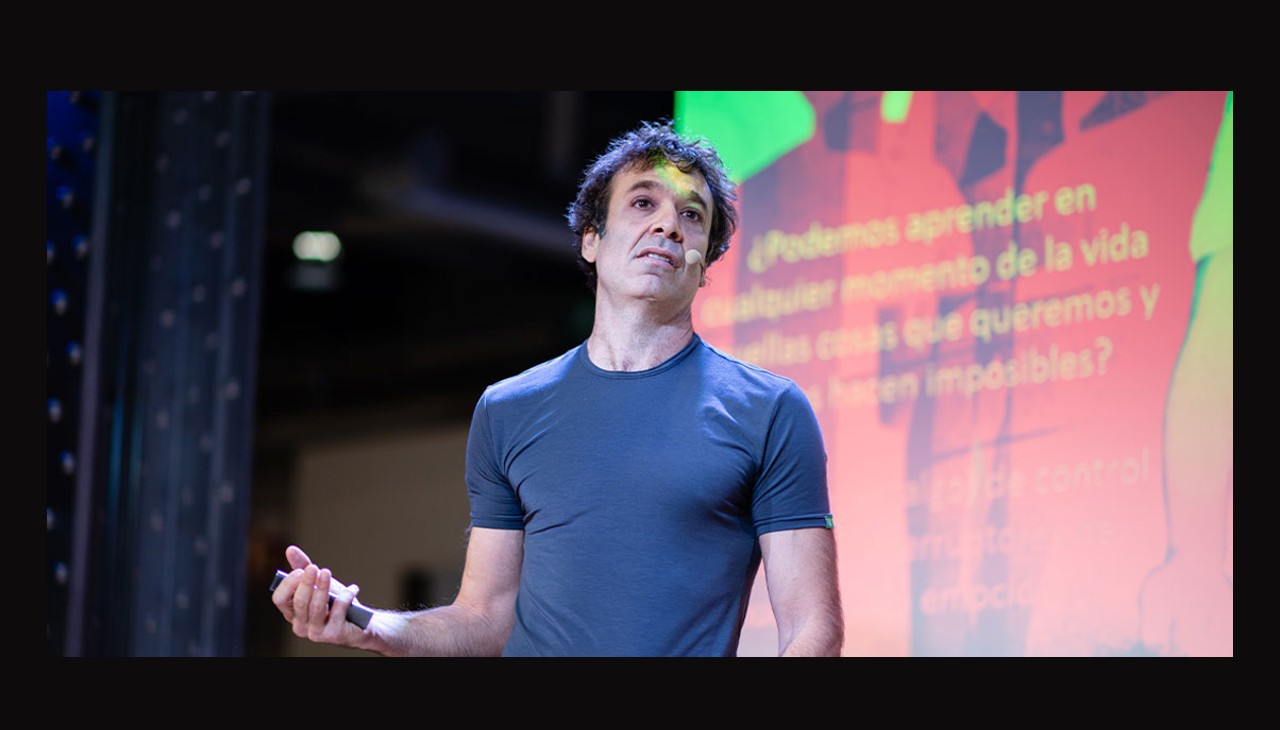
x=165 y=210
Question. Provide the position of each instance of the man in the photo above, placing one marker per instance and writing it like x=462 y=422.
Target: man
x=624 y=494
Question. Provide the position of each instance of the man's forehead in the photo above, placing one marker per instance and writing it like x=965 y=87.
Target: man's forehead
x=686 y=184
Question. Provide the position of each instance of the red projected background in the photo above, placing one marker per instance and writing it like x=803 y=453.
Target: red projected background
x=1012 y=313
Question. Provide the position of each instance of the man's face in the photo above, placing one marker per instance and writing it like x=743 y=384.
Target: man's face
x=654 y=216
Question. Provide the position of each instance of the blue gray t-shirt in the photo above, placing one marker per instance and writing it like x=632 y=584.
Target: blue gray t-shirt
x=641 y=496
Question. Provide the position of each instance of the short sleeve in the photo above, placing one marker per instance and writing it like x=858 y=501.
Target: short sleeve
x=791 y=489
x=493 y=502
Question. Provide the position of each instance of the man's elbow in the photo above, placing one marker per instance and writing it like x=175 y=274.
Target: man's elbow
x=822 y=636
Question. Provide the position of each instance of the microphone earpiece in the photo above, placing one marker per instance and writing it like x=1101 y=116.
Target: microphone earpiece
x=693 y=257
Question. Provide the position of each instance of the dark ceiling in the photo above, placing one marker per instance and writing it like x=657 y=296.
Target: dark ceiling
x=456 y=268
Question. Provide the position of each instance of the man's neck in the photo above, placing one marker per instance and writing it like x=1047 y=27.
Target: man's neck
x=634 y=339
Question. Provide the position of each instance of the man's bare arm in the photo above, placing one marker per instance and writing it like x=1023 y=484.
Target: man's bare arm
x=800 y=569
x=477 y=623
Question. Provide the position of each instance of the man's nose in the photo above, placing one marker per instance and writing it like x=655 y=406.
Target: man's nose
x=667 y=223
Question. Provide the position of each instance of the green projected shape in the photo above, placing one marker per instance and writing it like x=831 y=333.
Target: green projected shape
x=750 y=129
x=894 y=106
x=1213 y=225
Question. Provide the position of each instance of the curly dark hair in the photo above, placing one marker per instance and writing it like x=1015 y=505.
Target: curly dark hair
x=648 y=145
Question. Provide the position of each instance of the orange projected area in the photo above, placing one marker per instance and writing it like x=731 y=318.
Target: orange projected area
x=1012 y=313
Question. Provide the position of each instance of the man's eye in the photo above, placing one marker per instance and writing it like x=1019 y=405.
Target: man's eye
x=693 y=215
x=642 y=203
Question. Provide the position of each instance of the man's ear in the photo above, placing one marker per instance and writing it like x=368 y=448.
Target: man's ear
x=590 y=242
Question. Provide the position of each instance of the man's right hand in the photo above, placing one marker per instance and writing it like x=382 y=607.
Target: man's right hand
x=477 y=623
x=303 y=600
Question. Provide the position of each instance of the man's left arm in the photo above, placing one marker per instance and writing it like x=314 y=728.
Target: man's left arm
x=800 y=571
